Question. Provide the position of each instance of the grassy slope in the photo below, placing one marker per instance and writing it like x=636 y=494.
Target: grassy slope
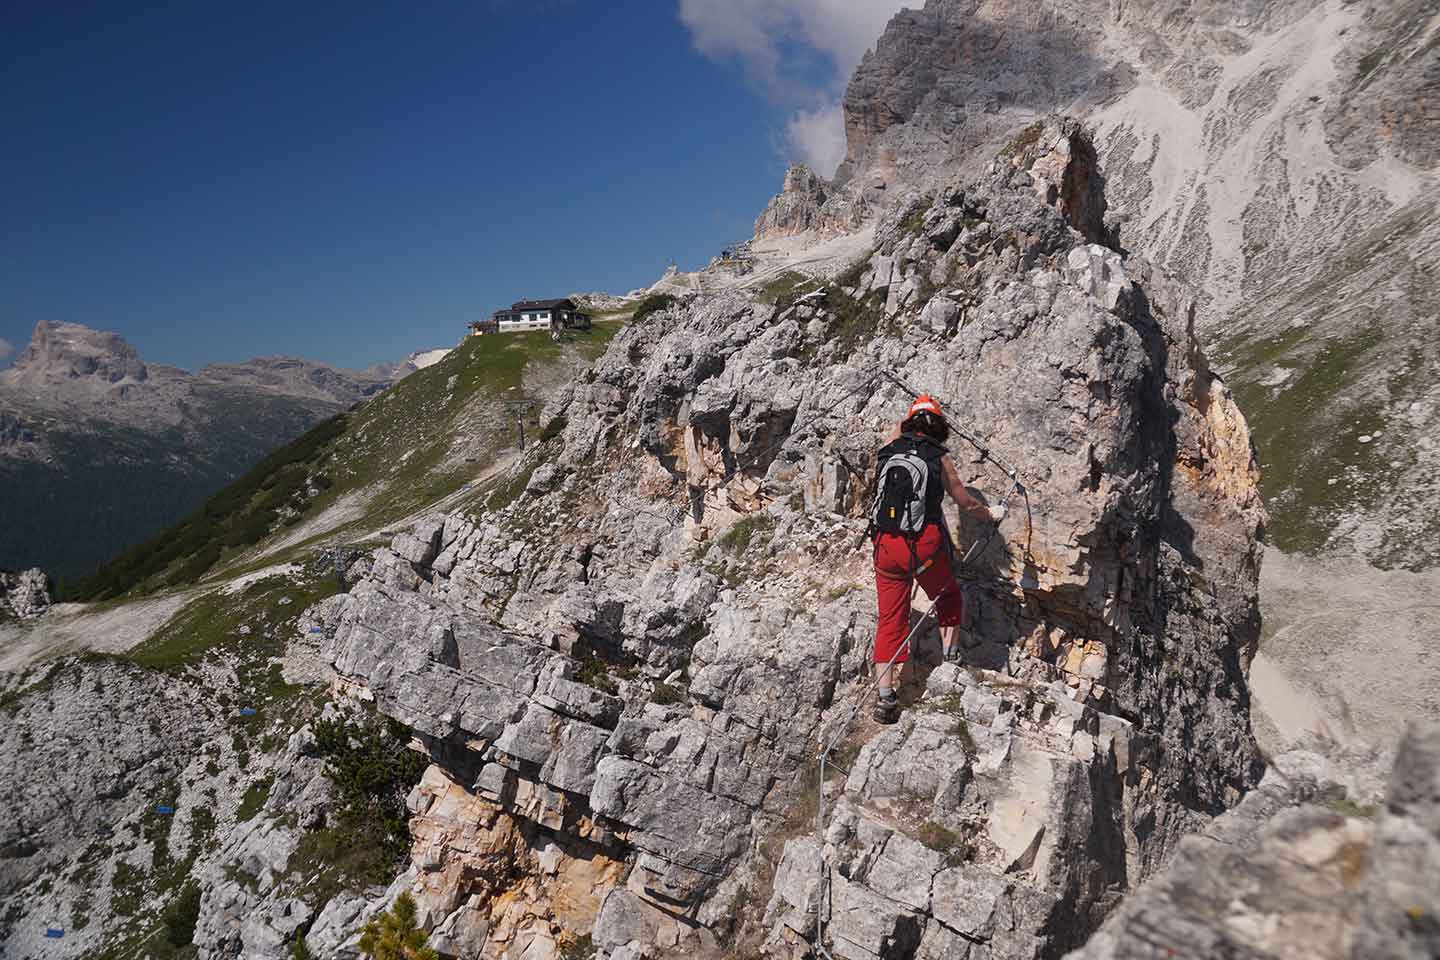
x=1316 y=367
x=410 y=446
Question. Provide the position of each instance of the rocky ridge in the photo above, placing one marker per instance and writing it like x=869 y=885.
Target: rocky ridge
x=807 y=204
x=1324 y=859
x=1279 y=157
x=621 y=678
x=67 y=365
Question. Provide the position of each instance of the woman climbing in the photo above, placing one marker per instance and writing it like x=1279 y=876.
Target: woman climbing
x=911 y=541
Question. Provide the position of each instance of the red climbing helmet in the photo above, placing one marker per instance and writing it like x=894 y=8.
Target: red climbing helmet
x=924 y=404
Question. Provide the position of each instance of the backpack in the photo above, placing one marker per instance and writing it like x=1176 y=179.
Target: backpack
x=908 y=486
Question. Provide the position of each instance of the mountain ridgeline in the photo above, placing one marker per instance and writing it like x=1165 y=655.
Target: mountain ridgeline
x=99 y=450
x=1282 y=157
x=449 y=417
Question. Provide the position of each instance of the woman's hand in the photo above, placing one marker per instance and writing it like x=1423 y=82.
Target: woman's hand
x=962 y=498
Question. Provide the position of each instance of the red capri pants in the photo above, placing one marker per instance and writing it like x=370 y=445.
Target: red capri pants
x=893 y=563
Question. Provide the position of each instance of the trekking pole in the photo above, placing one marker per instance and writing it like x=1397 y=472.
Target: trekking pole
x=976 y=548
x=834 y=741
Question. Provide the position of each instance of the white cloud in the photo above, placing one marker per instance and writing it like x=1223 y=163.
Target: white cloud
x=5 y=348
x=817 y=137
x=800 y=52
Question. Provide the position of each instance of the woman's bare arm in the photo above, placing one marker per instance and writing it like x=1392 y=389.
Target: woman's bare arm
x=960 y=495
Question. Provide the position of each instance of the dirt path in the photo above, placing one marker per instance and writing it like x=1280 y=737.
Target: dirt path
x=73 y=627
x=1348 y=650
x=501 y=464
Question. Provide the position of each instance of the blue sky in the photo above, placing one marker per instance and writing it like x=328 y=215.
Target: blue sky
x=220 y=181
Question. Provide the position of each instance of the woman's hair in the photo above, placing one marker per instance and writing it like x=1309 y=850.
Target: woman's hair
x=930 y=425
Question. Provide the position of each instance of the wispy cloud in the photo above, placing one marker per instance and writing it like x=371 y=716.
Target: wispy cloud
x=5 y=348
x=817 y=137
x=800 y=52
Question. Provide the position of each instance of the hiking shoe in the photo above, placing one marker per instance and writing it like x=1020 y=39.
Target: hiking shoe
x=887 y=709
x=952 y=655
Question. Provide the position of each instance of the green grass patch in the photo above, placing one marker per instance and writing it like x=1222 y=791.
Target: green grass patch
x=942 y=839
x=850 y=276
x=1025 y=139
x=745 y=531
x=372 y=770
x=509 y=489
x=787 y=288
x=395 y=449
x=654 y=303
x=1349 y=808
x=858 y=320
x=1307 y=429
x=11 y=699
x=212 y=623
x=914 y=221
x=254 y=799
x=127 y=889
x=668 y=694
x=953 y=705
x=553 y=429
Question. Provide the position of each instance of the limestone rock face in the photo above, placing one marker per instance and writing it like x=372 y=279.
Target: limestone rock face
x=125 y=783
x=1323 y=860
x=623 y=677
x=807 y=204
x=69 y=351
x=1281 y=158
x=24 y=595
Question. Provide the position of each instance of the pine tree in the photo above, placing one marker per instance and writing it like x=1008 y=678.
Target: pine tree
x=393 y=935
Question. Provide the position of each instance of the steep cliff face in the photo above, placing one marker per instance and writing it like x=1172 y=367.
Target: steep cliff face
x=622 y=669
x=1279 y=157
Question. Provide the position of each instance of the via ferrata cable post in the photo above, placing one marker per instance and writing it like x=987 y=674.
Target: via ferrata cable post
x=518 y=409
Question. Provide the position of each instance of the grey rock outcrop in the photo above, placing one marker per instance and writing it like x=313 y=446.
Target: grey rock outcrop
x=621 y=677
x=24 y=595
x=1322 y=860
x=1279 y=157
x=807 y=204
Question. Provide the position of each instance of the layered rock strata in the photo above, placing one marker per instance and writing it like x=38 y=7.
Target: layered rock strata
x=622 y=677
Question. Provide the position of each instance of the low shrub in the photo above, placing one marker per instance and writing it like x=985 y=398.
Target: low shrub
x=652 y=304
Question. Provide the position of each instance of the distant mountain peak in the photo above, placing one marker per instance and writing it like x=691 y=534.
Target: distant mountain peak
x=60 y=352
